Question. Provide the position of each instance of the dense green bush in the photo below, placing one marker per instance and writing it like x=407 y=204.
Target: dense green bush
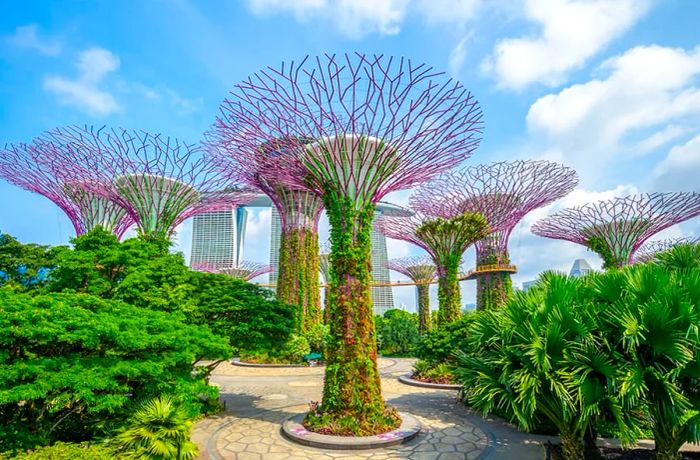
x=72 y=365
x=438 y=345
x=23 y=266
x=68 y=451
x=622 y=347
x=397 y=332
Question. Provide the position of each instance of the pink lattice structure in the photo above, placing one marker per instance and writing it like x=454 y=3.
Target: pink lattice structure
x=160 y=181
x=650 y=249
x=30 y=167
x=617 y=228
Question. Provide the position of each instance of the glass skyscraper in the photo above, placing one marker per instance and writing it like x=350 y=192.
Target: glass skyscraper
x=218 y=237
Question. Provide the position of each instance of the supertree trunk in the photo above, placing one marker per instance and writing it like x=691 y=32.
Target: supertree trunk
x=495 y=288
x=449 y=296
x=352 y=391
x=297 y=282
x=423 y=307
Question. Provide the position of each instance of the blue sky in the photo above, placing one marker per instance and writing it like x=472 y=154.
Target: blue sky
x=610 y=87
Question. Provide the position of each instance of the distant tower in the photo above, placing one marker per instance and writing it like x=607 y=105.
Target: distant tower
x=275 y=239
x=580 y=268
x=382 y=296
x=218 y=237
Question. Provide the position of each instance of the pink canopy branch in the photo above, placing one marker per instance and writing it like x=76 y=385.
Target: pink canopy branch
x=30 y=167
x=616 y=228
x=245 y=270
x=650 y=249
x=158 y=180
x=363 y=125
x=420 y=269
x=503 y=192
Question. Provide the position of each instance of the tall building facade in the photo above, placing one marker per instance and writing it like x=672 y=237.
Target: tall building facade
x=218 y=237
x=275 y=241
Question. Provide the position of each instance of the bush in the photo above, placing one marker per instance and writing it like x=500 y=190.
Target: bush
x=438 y=345
x=397 y=332
x=68 y=451
x=433 y=372
x=316 y=335
x=158 y=430
x=74 y=365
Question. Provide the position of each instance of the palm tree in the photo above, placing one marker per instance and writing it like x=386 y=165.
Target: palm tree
x=653 y=321
x=159 y=430
x=682 y=256
x=541 y=357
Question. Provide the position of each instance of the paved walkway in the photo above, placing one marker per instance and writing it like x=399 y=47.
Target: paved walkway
x=259 y=399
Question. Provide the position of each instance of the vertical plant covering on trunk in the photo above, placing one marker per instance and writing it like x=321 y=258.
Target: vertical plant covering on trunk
x=297 y=279
x=157 y=180
x=352 y=128
x=445 y=240
x=503 y=192
x=615 y=229
x=422 y=271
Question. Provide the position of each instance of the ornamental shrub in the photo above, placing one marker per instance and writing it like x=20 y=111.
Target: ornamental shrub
x=397 y=332
x=68 y=451
x=73 y=366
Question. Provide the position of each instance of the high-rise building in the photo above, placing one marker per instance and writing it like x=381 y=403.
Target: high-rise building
x=218 y=237
x=580 y=268
x=275 y=241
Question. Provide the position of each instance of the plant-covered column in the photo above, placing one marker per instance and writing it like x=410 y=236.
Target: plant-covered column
x=354 y=128
x=615 y=229
x=423 y=291
x=494 y=285
x=421 y=270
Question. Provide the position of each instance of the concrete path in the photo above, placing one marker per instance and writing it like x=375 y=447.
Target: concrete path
x=258 y=400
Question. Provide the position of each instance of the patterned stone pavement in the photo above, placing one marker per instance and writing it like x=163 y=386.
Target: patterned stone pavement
x=259 y=399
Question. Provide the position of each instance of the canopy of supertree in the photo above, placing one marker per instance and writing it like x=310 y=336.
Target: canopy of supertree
x=29 y=166
x=503 y=192
x=158 y=180
x=445 y=240
x=355 y=128
x=422 y=271
x=246 y=270
x=616 y=228
x=299 y=211
x=650 y=249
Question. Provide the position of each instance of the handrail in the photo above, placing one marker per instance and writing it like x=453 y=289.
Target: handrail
x=490 y=268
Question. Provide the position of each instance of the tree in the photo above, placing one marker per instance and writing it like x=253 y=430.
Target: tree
x=397 y=332
x=540 y=356
x=73 y=365
x=23 y=265
x=158 y=430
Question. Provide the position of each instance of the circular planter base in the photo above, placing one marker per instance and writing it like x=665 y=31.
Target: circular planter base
x=293 y=430
x=238 y=362
x=407 y=380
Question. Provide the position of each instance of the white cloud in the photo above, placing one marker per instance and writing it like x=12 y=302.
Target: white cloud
x=646 y=98
x=357 y=18
x=680 y=169
x=572 y=31
x=458 y=55
x=84 y=91
x=28 y=37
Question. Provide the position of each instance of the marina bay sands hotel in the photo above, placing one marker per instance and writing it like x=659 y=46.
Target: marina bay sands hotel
x=218 y=238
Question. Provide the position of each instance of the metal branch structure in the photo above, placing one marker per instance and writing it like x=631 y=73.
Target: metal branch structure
x=246 y=270
x=422 y=271
x=445 y=240
x=159 y=181
x=650 y=249
x=299 y=211
x=29 y=166
x=354 y=128
x=616 y=228
x=503 y=192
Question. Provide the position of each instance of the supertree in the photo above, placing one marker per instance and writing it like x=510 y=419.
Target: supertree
x=503 y=192
x=445 y=240
x=246 y=270
x=29 y=166
x=422 y=271
x=616 y=228
x=650 y=249
x=159 y=181
x=299 y=211
x=357 y=127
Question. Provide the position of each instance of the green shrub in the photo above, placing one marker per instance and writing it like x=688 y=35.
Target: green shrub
x=397 y=332
x=438 y=345
x=433 y=372
x=316 y=335
x=158 y=430
x=69 y=451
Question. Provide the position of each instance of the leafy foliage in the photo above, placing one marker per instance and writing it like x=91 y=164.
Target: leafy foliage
x=23 y=266
x=397 y=332
x=158 y=430
x=73 y=364
x=69 y=451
